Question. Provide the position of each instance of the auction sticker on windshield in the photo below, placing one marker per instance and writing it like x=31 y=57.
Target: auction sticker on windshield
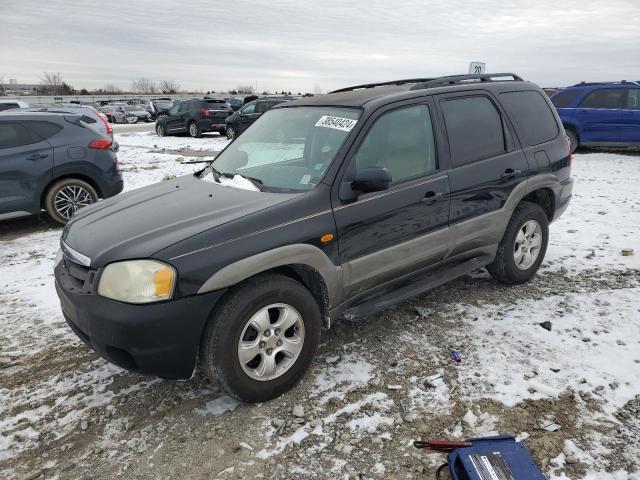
x=339 y=123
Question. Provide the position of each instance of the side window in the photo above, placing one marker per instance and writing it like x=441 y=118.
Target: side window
x=261 y=107
x=564 y=99
x=45 y=130
x=604 y=98
x=12 y=134
x=401 y=141
x=8 y=106
x=173 y=110
x=249 y=109
x=531 y=112
x=184 y=107
x=474 y=128
x=633 y=99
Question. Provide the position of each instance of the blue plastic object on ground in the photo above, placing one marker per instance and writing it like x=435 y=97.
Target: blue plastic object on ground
x=493 y=458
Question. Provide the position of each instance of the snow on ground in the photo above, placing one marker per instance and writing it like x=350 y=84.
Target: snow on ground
x=65 y=412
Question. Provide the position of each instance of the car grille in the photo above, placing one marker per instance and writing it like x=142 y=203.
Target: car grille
x=78 y=278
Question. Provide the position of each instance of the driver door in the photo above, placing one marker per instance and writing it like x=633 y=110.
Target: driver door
x=247 y=115
x=387 y=234
x=177 y=117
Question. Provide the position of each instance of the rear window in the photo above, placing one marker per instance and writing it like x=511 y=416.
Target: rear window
x=532 y=114
x=13 y=134
x=610 y=98
x=44 y=130
x=215 y=104
x=474 y=128
x=564 y=99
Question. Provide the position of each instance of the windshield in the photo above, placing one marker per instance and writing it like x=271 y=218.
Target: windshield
x=133 y=108
x=288 y=149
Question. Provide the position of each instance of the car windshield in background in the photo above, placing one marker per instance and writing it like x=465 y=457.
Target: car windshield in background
x=288 y=149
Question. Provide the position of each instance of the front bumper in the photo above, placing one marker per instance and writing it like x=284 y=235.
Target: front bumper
x=156 y=339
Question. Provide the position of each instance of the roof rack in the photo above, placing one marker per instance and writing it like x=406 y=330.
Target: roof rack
x=433 y=82
x=621 y=82
x=455 y=79
x=381 y=84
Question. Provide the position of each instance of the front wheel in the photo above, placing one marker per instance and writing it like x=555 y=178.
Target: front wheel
x=160 y=130
x=523 y=245
x=231 y=133
x=67 y=196
x=261 y=339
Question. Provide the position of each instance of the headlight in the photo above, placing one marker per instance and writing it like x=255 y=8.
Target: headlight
x=137 y=281
x=58 y=259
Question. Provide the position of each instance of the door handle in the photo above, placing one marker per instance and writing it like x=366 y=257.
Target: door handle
x=432 y=197
x=510 y=173
x=37 y=156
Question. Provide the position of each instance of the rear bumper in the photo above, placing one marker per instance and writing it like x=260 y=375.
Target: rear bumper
x=212 y=124
x=156 y=339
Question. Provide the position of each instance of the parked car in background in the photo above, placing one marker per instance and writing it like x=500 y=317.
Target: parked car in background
x=91 y=115
x=243 y=118
x=337 y=204
x=52 y=161
x=126 y=114
x=11 y=104
x=235 y=103
x=194 y=117
x=158 y=105
x=600 y=114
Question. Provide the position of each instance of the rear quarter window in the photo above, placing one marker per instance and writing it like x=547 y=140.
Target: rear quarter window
x=607 y=98
x=564 y=99
x=532 y=114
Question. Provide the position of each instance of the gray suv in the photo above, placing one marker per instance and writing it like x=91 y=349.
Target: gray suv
x=58 y=162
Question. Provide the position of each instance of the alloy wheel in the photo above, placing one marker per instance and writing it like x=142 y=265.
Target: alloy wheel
x=271 y=342
x=69 y=199
x=528 y=244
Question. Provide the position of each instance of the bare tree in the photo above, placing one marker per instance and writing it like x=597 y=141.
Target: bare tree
x=144 y=86
x=317 y=89
x=169 y=86
x=245 y=89
x=51 y=83
x=111 y=88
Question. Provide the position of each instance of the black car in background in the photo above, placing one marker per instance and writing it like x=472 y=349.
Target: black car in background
x=235 y=103
x=159 y=105
x=195 y=117
x=56 y=162
x=240 y=120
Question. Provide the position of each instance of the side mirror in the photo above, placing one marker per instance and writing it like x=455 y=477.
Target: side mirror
x=373 y=179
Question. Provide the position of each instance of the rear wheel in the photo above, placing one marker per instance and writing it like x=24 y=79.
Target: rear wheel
x=523 y=245
x=67 y=196
x=231 y=133
x=194 y=130
x=573 y=140
x=261 y=339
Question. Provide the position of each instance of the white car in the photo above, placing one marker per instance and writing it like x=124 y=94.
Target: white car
x=11 y=104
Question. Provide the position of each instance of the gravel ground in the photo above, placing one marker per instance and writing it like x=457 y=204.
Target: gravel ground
x=377 y=384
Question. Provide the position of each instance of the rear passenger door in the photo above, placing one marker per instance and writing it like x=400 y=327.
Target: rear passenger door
x=599 y=115
x=26 y=161
x=485 y=167
x=630 y=131
x=387 y=234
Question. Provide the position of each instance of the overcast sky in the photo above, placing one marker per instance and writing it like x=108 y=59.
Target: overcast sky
x=298 y=45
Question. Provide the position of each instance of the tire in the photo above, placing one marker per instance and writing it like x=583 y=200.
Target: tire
x=161 y=131
x=194 y=130
x=57 y=203
x=511 y=265
x=231 y=133
x=573 y=139
x=232 y=321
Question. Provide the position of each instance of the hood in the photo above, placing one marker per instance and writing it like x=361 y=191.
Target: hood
x=141 y=222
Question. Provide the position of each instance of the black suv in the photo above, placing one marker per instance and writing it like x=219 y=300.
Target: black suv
x=54 y=161
x=346 y=202
x=243 y=118
x=194 y=117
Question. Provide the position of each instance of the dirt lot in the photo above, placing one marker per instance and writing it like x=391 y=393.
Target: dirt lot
x=377 y=383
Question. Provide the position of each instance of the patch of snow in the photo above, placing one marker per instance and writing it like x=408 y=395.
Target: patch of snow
x=218 y=406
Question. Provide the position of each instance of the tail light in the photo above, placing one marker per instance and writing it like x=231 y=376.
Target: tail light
x=100 y=143
x=106 y=123
x=204 y=112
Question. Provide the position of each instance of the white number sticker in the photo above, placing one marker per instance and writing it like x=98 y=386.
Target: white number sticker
x=339 y=123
